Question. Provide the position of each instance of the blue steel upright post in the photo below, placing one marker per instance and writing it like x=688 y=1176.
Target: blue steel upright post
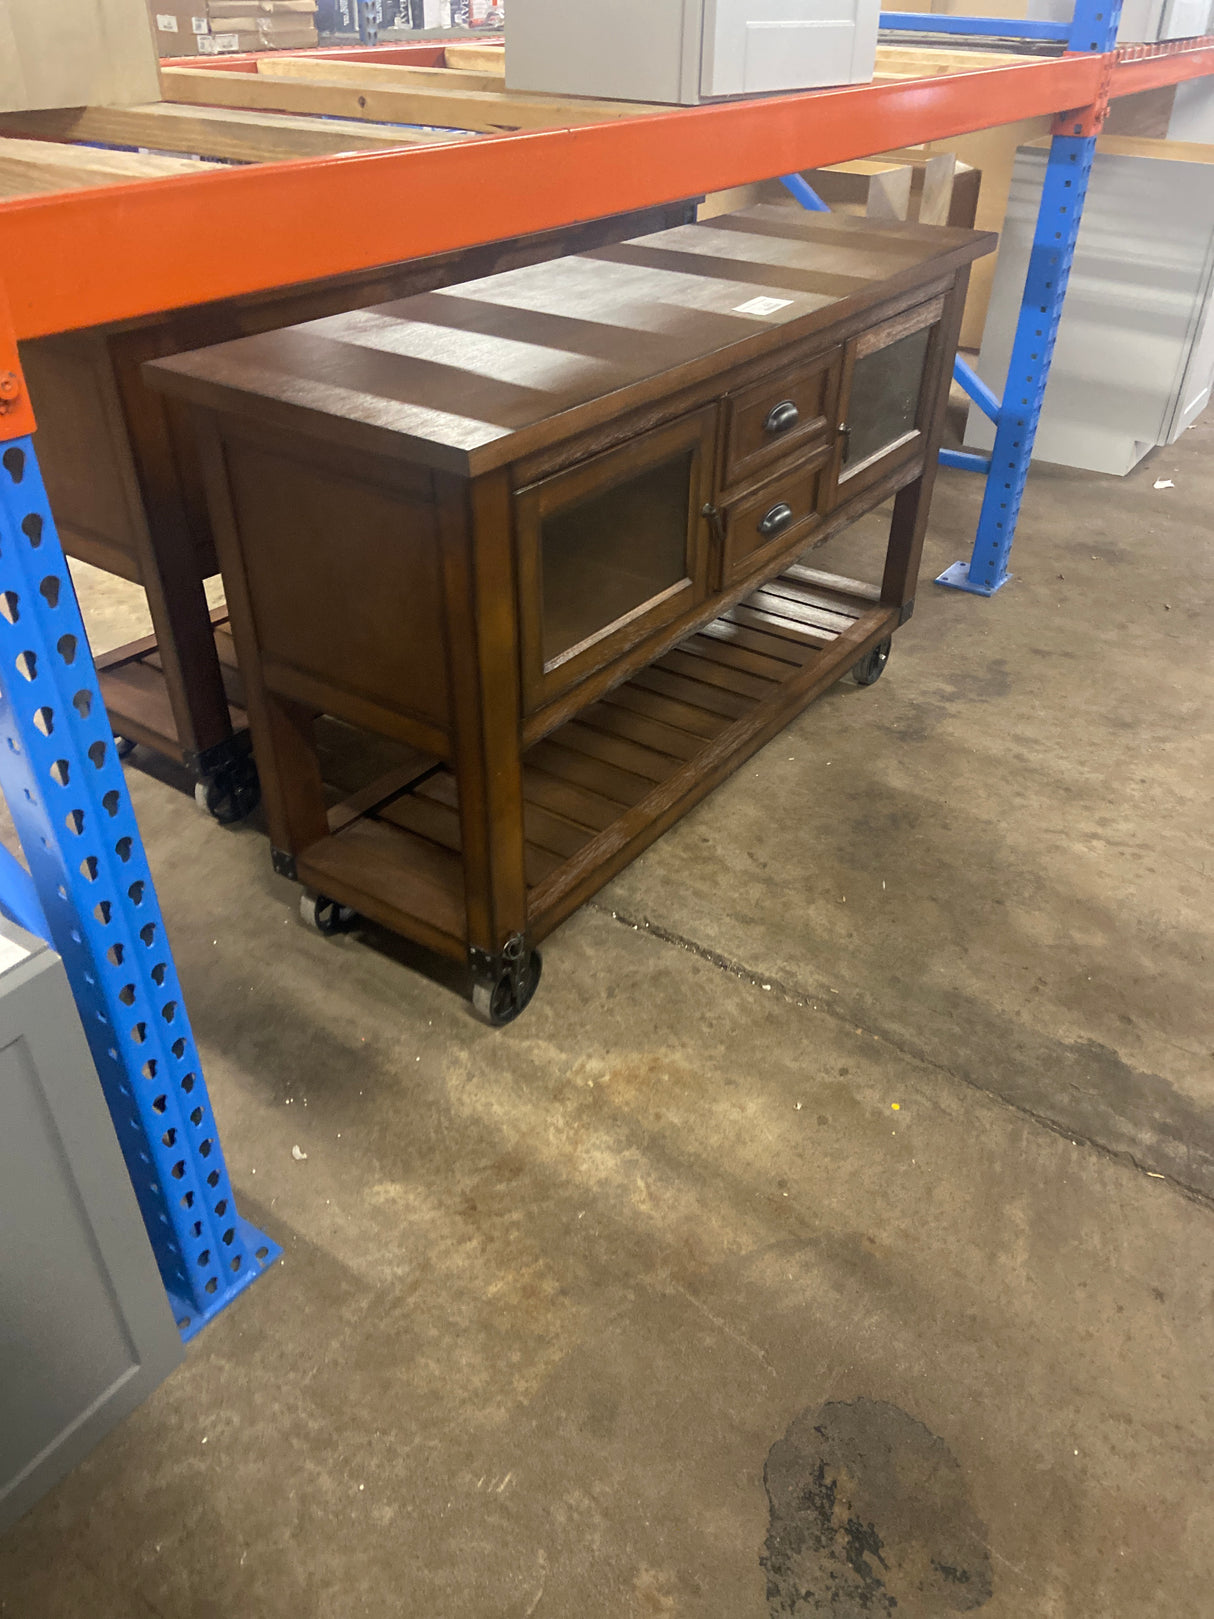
x=65 y=788
x=1068 y=167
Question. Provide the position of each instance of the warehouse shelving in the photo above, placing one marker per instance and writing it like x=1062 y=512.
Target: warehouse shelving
x=81 y=258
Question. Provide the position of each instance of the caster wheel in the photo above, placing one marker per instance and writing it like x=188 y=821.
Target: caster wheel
x=325 y=915
x=500 y=1002
x=229 y=795
x=123 y=746
x=872 y=665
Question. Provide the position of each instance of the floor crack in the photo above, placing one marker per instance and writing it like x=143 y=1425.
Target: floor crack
x=822 y=1003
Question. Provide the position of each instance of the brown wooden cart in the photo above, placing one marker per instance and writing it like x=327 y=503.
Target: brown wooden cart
x=122 y=470
x=539 y=532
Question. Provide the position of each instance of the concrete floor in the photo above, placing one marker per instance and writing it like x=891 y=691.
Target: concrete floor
x=832 y=1235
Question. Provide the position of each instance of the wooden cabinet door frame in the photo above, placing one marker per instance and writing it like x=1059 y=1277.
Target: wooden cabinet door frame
x=695 y=432
x=848 y=479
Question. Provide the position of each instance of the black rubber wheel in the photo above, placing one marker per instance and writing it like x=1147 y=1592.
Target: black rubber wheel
x=123 y=746
x=230 y=795
x=498 y=1003
x=872 y=665
x=325 y=915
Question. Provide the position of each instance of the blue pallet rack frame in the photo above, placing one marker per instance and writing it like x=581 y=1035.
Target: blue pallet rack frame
x=1068 y=168
x=88 y=890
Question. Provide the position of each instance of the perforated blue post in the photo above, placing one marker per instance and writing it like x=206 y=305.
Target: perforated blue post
x=1068 y=168
x=67 y=795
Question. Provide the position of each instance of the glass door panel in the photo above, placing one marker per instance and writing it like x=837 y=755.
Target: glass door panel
x=611 y=550
x=608 y=555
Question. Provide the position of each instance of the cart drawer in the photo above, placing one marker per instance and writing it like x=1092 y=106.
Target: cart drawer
x=781 y=414
x=777 y=518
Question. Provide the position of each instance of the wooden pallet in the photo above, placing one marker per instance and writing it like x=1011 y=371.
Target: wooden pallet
x=308 y=106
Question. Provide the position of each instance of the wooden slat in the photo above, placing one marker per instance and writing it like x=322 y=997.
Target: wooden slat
x=715 y=673
x=615 y=750
x=546 y=830
x=585 y=809
x=784 y=604
x=374 y=75
x=695 y=692
x=439 y=824
x=380 y=791
x=479 y=58
x=759 y=619
x=242 y=136
x=671 y=711
x=33 y=167
x=833 y=581
x=605 y=716
x=752 y=663
x=484 y=110
x=609 y=781
x=774 y=647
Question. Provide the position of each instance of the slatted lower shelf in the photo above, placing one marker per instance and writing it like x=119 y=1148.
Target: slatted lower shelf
x=609 y=780
x=136 y=694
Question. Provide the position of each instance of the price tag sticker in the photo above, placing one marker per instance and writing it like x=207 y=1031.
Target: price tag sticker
x=761 y=306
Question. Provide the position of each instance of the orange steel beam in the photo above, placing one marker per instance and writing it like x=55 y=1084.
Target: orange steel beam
x=86 y=258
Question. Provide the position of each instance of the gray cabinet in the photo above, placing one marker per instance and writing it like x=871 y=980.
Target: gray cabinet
x=1134 y=359
x=86 y=1332
x=687 y=50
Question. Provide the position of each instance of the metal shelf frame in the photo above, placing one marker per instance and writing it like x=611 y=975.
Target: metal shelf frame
x=77 y=259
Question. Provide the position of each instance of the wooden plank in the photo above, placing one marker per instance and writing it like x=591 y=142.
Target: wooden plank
x=484 y=110
x=224 y=132
x=655 y=734
x=622 y=787
x=936 y=197
x=797 y=590
x=751 y=663
x=784 y=604
x=696 y=692
x=759 y=619
x=767 y=646
x=833 y=581
x=587 y=810
x=671 y=711
x=682 y=662
x=374 y=75
x=439 y=824
x=33 y=167
x=615 y=750
x=478 y=58
x=380 y=791
x=546 y=830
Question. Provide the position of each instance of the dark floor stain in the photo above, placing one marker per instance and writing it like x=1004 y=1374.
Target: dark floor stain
x=870 y=1515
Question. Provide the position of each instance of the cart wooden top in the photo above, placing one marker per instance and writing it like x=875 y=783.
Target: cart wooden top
x=470 y=377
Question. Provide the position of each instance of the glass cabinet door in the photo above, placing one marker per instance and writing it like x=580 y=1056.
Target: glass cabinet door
x=610 y=551
x=887 y=395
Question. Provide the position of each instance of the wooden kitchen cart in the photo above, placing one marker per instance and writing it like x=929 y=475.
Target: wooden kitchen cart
x=541 y=532
x=122 y=469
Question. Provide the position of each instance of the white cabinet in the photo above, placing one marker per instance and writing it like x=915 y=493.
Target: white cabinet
x=86 y=1332
x=687 y=50
x=1134 y=359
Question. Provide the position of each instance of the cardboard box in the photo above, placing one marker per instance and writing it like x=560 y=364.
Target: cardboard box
x=179 y=26
x=86 y=52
